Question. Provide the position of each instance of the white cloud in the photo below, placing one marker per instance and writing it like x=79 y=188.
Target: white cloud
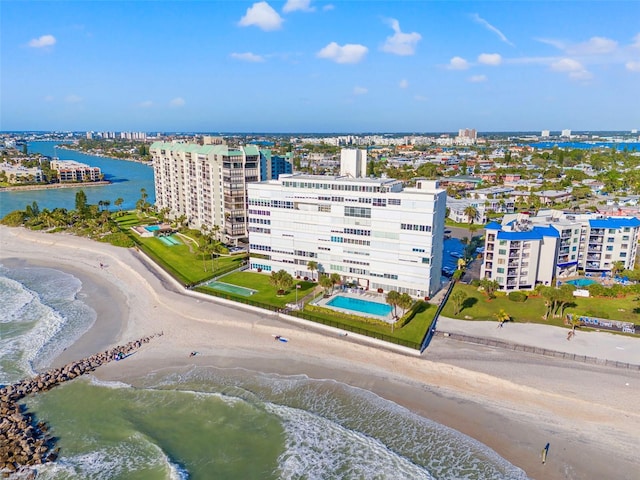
x=477 y=78
x=263 y=16
x=593 y=46
x=403 y=83
x=349 y=53
x=73 y=98
x=248 y=57
x=146 y=104
x=554 y=43
x=400 y=43
x=43 y=41
x=360 y=90
x=302 y=5
x=632 y=66
x=177 y=102
x=476 y=18
x=48 y=98
x=420 y=98
x=636 y=41
x=490 y=59
x=328 y=7
x=458 y=63
x=574 y=68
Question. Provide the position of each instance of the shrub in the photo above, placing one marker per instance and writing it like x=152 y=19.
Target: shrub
x=517 y=296
x=475 y=282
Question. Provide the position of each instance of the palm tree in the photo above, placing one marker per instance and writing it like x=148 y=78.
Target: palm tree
x=312 y=265
x=393 y=299
x=457 y=299
x=118 y=203
x=471 y=213
x=502 y=316
x=616 y=268
x=326 y=283
x=335 y=280
x=405 y=302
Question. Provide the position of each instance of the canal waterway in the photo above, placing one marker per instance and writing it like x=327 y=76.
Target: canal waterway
x=127 y=179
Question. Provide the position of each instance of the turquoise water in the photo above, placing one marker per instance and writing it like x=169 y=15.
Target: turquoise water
x=222 y=423
x=362 y=306
x=152 y=228
x=581 y=282
x=235 y=289
x=127 y=179
x=166 y=241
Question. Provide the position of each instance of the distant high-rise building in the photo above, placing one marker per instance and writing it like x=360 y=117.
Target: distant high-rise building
x=566 y=133
x=272 y=166
x=545 y=134
x=468 y=133
x=353 y=163
x=89 y=135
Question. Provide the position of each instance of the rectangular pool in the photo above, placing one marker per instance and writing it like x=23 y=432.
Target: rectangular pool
x=581 y=282
x=359 y=305
x=152 y=228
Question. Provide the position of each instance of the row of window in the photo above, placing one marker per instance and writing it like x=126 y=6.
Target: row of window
x=270 y=203
x=264 y=248
x=357 y=231
x=256 y=266
x=303 y=253
x=330 y=186
x=263 y=221
x=360 y=212
x=417 y=228
x=266 y=213
x=260 y=230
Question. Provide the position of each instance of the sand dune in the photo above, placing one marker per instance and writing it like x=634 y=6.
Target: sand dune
x=511 y=401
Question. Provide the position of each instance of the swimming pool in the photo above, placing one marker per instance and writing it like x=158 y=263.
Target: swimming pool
x=359 y=305
x=581 y=282
x=235 y=289
x=152 y=228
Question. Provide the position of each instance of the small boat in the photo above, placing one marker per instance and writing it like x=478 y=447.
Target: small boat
x=456 y=254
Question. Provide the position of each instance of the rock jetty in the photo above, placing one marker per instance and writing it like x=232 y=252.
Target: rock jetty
x=24 y=443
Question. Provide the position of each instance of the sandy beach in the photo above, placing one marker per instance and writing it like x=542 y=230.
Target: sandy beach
x=511 y=401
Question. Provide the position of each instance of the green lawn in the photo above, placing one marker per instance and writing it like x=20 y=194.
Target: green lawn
x=182 y=261
x=187 y=266
x=478 y=307
x=266 y=294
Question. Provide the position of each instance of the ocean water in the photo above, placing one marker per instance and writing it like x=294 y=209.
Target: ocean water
x=127 y=178
x=205 y=422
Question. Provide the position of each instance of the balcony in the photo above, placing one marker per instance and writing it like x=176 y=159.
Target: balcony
x=594 y=248
x=513 y=272
x=488 y=256
x=594 y=257
x=514 y=255
x=595 y=240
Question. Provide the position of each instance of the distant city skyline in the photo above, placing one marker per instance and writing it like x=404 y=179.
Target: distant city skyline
x=309 y=66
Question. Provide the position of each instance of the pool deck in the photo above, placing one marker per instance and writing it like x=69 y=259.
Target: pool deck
x=360 y=295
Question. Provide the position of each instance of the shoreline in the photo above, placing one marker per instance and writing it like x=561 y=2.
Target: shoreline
x=54 y=186
x=511 y=401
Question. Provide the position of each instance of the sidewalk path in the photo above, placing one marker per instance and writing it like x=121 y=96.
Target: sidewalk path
x=601 y=345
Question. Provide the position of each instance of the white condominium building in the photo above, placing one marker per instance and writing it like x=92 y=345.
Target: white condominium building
x=525 y=251
x=206 y=184
x=72 y=171
x=370 y=231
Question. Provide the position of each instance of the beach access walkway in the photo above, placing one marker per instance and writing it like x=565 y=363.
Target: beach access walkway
x=587 y=346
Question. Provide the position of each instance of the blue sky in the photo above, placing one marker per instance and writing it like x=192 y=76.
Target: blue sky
x=312 y=66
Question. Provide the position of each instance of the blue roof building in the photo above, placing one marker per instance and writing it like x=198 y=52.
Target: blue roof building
x=525 y=251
